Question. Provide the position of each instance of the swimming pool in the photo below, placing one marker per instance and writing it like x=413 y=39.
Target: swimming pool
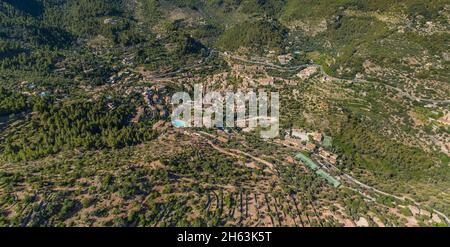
x=179 y=123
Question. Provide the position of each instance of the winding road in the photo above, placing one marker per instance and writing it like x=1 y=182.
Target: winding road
x=323 y=73
x=377 y=191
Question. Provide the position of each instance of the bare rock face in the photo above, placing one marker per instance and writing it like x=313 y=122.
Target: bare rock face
x=307 y=73
x=109 y=21
x=445 y=119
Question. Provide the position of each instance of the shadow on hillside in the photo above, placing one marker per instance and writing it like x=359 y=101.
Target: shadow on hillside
x=31 y=7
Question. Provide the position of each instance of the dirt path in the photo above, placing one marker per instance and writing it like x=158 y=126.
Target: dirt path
x=234 y=152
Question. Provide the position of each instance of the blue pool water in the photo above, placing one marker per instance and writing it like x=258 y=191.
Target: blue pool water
x=179 y=124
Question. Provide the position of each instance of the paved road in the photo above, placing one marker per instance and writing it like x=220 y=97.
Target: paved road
x=343 y=176
x=351 y=179
x=323 y=73
x=368 y=187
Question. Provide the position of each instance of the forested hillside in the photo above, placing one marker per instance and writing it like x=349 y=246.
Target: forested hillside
x=86 y=136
